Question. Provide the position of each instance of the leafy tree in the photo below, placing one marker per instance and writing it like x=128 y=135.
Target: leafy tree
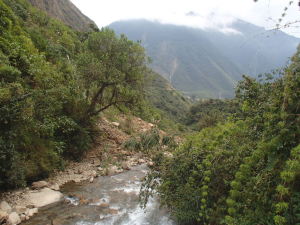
x=112 y=70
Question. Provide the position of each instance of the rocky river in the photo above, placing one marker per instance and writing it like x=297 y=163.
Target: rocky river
x=109 y=200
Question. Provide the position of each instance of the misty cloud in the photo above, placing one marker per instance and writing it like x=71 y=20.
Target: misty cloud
x=213 y=14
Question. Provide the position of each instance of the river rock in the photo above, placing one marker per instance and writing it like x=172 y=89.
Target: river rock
x=94 y=173
x=113 y=211
x=104 y=205
x=112 y=170
x=55 y=187
x=20 y=209
x=31 y=212
x=44 y=197
x=168 y=154
x=5 y=207
x=39 y=184
x=141 y=161
x=125 y=165
x=13 y=219
x=57 y=222
x=116 y=124
x=3 y=216
x=96 y=162
x=150 y=163
x=91 y=180
x=23 y=217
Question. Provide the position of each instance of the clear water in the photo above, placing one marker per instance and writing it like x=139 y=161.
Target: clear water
x=121 y=192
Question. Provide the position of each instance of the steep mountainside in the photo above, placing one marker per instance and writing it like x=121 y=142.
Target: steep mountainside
x=164 y=97
x=255 y=50
x=66 y=11
x=208 y=63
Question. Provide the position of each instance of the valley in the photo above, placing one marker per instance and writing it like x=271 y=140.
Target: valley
x=145 y=121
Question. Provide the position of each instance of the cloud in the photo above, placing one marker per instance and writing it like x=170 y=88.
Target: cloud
x=213 y=14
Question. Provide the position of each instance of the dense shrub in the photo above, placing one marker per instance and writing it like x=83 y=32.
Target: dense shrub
x=245 y=171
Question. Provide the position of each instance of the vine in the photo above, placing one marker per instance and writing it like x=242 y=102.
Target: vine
x=288 y=175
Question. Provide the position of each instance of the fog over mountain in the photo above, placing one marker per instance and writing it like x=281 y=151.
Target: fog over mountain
x=209 y=62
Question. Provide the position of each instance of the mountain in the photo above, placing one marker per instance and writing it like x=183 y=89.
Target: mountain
x=253 y=49
x=65 y=11
x=160 y=94
x=208 y=63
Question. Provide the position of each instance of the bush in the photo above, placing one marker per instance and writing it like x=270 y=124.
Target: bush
x=146 y=141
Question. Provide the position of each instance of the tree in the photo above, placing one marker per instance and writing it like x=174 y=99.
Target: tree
x=112 y=70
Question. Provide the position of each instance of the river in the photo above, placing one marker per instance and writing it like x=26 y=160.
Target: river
x=109 y=200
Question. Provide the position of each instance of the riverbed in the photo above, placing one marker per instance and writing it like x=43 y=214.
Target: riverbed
x=109 y=200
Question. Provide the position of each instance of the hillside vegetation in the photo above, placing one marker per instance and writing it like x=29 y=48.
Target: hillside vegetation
x=54 y=82
x=245 y=170
x=164 y=97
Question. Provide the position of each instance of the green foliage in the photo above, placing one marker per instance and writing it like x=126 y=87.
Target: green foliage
x=207 y=113
x=246 y=170
x=50 y=77
x=112 y=70
x=149 y=142
x=145 y=142
x=164 y=97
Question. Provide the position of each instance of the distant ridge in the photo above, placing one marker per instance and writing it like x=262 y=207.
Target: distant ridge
x=209 y=63
x=65 y=11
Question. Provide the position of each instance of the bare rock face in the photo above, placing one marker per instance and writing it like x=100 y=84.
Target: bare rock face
x=13 y=219
x=5 y=207
x=58 y=8
x=39 y=184
x=43 y=197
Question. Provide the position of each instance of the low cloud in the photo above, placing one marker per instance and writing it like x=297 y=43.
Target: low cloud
x=213 y=14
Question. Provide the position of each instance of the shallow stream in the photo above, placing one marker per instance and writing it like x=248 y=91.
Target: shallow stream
x=110 y=200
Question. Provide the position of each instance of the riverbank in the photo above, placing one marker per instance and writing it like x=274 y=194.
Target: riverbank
x=107 y=158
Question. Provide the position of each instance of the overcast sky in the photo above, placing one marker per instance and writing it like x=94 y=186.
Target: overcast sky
x=197 y=13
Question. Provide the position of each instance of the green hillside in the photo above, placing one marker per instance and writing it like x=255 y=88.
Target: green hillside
x=164 y=97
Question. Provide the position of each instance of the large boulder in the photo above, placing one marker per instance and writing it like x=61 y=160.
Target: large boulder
x=13 y=219
x=43 y=197
x=5 y=207
x=39 y=184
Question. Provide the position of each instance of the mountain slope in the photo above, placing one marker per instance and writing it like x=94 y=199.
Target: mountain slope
x=208 y=63
x=164 y=97
x=65 y=11
x=184 y=56
x=255 y=50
